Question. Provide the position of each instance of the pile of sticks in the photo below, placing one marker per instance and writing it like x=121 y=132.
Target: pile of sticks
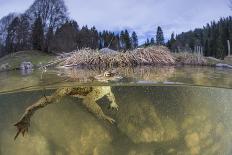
x=155 y=55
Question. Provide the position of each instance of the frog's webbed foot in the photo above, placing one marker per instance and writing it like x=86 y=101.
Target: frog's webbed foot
x=111 y=120
x=24 y=123
x=94 y=108
x=22 y=127
x=113 y=105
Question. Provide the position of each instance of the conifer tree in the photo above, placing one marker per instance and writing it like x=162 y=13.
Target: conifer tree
x=172 y=41
x=134 y=40
x=122 y=40
x=152 y=42
x=38 y=34
x=212 y=38
x=48 y=40
x=159 y=36
x=147 y=43
x=127 y=40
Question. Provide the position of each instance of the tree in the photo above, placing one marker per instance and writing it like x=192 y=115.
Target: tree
x=94 y=38
x=53 y=13
x=171 y=42
x=100 y=45
x=159 y=36
x=212 y=38
x=38 y=34
x=2 y=50
x=4 y=24
x=117 y=42
x=122 y=40
x=49 y=40
x=65 y=39
x=127 y=40
x=24 y=33
x=18 y=36
x=12 y=39
x=84 y=37
x=152 y=42
x=147 y=43
x=134 y=40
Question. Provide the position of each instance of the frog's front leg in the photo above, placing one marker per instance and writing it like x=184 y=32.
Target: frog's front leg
x=112 y=100
x=90 y=103
x=106 y=91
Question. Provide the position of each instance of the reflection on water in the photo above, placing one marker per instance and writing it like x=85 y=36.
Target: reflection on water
x=26 y=72
x=200 y=76
x=150 y=120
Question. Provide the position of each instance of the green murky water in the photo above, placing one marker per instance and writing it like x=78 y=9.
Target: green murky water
x=183 y=111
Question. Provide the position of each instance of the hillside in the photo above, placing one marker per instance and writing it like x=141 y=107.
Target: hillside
x=211 y=40
x=14 y=60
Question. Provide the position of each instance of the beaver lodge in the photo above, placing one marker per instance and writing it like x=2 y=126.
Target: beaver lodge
x=153 y=55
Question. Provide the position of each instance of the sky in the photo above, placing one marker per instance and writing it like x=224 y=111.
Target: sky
x=142 y=16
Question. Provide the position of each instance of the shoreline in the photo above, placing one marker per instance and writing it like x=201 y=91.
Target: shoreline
x=150 y=56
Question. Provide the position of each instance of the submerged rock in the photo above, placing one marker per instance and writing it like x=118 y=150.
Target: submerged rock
x=141 y=123
x=5 y=67
x=73 y=130
x=203 y=134
x=26 y=65
x=33 y=144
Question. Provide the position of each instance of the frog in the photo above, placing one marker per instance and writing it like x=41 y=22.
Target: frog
x=89 y=95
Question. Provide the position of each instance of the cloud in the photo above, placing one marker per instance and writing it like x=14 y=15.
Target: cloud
x=144 y=16
x=8 y=6
x=141 y=16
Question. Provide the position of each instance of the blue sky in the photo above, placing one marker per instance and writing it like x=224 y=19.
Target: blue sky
x=142 y=16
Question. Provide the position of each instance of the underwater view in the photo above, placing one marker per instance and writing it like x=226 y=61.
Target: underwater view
x=146 y=111
x=122 y=77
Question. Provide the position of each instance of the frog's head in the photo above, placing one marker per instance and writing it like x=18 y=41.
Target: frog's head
x=108 y=76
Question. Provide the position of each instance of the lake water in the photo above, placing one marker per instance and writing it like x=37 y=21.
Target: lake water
x=163 y=111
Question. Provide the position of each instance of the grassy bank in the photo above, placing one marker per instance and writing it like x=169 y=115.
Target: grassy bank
x=35 y=57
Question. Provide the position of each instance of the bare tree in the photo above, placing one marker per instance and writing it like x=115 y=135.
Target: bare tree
x=4 y=24
x=52 y=12
x=18 y=34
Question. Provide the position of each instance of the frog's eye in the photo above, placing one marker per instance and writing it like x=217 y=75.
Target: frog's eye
x=107 y=74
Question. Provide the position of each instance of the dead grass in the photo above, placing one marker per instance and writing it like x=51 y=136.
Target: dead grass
x=186 y=58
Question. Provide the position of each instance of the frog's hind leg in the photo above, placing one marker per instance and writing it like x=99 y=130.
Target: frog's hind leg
x=92 y=106
x=24 y=122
